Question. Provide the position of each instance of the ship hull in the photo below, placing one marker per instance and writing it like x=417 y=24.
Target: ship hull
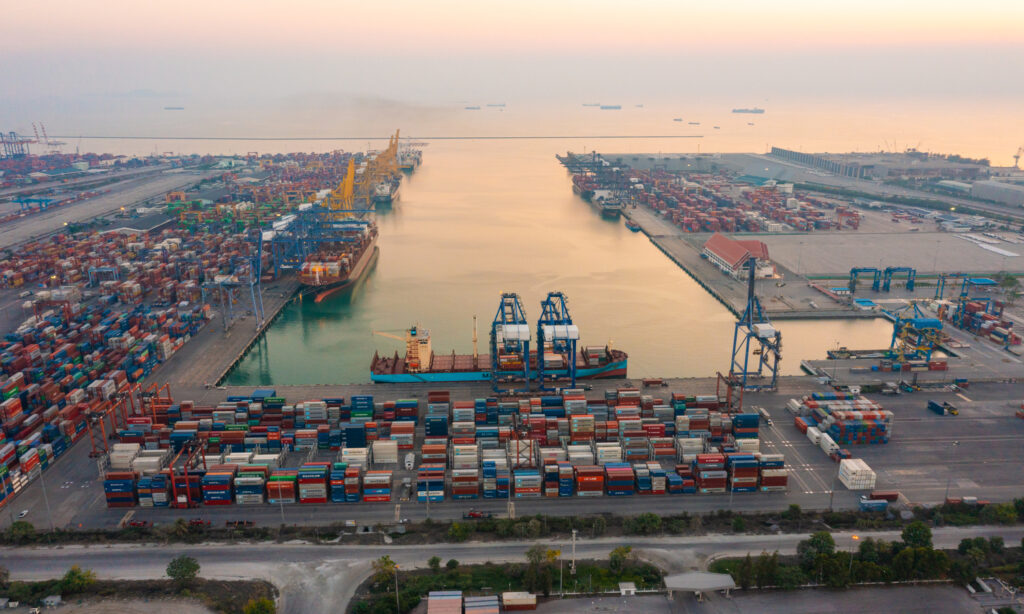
x=325 y=290
x=381 y=200
x=614 y=369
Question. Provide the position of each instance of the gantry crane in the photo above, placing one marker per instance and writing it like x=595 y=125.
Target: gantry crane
x=915 y=335
x=754 y=328
x=876 y=278
x=555 y=329
x=1016 y=156
x=960 y=315
x=890 y=271
x=510 y=343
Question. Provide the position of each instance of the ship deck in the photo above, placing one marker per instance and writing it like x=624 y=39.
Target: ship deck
x=464 y=363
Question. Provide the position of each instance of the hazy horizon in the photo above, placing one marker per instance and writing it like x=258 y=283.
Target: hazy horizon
x=322 y=68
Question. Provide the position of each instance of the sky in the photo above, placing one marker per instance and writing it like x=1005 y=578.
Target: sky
x=89 y=60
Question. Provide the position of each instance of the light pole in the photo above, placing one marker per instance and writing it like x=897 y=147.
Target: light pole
x=949 y=476
x=398 y=608
x=572 y=566
x=853 y=539
x=46 y=499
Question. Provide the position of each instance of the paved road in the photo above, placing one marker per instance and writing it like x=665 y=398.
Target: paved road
x=129 y=193
x=323 y=578
x=82 y=182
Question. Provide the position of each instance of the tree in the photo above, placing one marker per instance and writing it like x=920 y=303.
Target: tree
x=739 y=525
x=794 y=513
x=868 y=550
x=904 y=564
x=259 y=606
x=643 y=524
x=996 y=545
x=20 y=531
x=434 y=563
x=620 y=558
x=917 y=535
x=5 y=576
x=963 y=572
x=966 y=543
x=77 y=580
x=599 y=526
x=384 y=570
x=931 y=563
x=765 y=569
x=458 y=532
x=744 y=574
x=183 y=569
x=452 y=564
x=998 y=513
x=819 y=543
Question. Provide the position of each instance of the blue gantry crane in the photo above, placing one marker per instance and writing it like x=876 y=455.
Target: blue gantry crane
x=557 y=333
x=510 y=343
x=911 y=274
x=915 y=335
x=754 y=336
x=969 y=283
x=940 y=283
x=876 y=278
x=26 y=202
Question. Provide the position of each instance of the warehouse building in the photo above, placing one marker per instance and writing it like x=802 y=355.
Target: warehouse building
x=1006 y=193
x=731 y=256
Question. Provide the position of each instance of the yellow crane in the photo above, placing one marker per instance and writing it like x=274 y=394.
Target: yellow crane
x=340 y=200
x=382 y=166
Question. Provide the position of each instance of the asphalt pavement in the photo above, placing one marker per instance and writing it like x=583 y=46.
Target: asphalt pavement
x=323 y=578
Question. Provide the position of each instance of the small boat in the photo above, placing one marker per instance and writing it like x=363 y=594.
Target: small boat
x=630 y=224
x=677 y=119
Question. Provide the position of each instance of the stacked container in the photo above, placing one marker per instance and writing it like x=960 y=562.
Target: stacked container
x=377 y=486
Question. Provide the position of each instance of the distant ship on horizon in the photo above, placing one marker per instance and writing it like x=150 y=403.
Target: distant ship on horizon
x=473 y=108
x=611 y=107
x=174 y=108
x=755 y=110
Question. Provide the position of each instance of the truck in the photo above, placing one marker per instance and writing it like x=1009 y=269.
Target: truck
x=943 y=408
x=475 y=514
x=873 y=505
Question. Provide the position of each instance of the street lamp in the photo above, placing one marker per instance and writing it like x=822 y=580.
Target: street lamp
x=853 y=539
x=949 y=476
x=398 y=608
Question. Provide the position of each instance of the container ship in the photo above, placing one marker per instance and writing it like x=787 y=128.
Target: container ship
x=584 y=185
x=421 y=364
x=408 y=160
x=755 y=111
x=385 y=193
x=609 y=206
x=337 y=267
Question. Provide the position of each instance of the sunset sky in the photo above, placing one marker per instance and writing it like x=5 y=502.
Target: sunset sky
x=63 y=56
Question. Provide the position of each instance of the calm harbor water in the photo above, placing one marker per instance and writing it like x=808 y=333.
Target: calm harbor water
x=483 y=217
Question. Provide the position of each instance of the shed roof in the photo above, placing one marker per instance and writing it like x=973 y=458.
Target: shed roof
x=699 y=581
x=734 y=252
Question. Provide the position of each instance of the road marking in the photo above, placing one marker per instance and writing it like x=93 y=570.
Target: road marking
x=963 y=397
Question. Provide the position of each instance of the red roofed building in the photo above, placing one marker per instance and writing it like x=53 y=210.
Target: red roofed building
x=731 y=256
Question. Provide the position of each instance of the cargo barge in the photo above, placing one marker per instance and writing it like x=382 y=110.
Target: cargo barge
x=421 y=364
x=333 y=269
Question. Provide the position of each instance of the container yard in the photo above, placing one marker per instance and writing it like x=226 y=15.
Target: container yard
x=573 y=453
x=623 y=444
x=110 y=312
